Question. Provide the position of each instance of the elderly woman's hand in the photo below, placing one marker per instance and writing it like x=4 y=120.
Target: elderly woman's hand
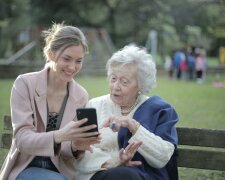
x=115 y=122
x=125 y=157
x=128 y=153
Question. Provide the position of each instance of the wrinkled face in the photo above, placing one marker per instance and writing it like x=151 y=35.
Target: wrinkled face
x=68 y=63
x=123 y=84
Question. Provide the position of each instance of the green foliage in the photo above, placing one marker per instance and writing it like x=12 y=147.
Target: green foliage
x=13 y=18
x=126 y=21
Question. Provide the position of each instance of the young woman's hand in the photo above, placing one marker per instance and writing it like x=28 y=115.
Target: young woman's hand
x=83 y=144
x=72 y=131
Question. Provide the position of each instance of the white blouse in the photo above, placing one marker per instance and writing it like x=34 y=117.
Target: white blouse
x=154 y=149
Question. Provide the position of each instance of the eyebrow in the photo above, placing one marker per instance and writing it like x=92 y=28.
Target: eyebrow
x=68 y=56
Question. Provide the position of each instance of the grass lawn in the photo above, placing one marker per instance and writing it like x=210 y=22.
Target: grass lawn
x=198 y=105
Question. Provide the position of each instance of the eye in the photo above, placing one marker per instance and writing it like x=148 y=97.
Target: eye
x=113 y=78
x=79 y=61
x=124 y=82
x=66 y=59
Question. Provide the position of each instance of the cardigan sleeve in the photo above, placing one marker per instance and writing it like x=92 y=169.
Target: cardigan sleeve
x=154 y=149
x=157 y=131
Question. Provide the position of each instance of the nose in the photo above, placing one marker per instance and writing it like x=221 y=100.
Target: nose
x=117 y=85
x=72 y=66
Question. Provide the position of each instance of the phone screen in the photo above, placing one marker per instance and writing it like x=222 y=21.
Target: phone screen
x=90 y=114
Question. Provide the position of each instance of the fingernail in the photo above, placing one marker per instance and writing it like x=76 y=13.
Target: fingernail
x=113 y=125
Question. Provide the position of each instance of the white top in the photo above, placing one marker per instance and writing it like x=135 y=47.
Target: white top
x=154 y=149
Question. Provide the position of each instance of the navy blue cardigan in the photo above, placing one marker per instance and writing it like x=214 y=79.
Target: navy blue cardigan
x=159 y=117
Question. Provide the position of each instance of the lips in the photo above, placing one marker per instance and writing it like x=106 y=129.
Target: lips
x=69 y=73
x=116 y=95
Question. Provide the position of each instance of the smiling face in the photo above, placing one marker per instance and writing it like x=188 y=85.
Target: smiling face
x=123 y=84
x=67 y=64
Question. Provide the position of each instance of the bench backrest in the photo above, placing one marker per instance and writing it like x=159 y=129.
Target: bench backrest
x=201 y=148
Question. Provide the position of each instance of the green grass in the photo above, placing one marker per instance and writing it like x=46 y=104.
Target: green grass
x=198 y=105
x=201 y=106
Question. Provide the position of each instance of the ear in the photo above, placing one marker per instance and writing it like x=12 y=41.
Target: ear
x=51 y=56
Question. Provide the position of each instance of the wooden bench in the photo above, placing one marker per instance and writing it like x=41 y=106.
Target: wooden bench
x=201 y=148
x=6 y=136
x=198 y=148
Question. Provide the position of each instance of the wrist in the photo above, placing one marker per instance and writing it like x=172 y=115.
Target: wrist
x=57 y=137
x=135 y=127
x=73 y=146
x=76 y=153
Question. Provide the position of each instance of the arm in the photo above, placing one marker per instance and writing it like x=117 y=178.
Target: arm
x=158 y=120
x=29 y=128
x=25 y=124
x=155 y=150
x=157 y=131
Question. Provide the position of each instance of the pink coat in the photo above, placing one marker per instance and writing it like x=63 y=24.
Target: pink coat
x=29 y=119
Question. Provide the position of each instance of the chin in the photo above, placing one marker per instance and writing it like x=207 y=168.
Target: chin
x=116 y=101
x=67 y=79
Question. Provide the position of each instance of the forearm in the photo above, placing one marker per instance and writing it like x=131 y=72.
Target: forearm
x=154 y=149
x=33 y=143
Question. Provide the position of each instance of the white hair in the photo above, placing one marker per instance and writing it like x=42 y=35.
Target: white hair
x=146 y=68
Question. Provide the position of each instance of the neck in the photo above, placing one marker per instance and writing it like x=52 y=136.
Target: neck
x=55 y=83
x=127 y=110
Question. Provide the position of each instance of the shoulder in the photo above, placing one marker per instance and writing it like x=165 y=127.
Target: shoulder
x=156 y=111
x=155 y=105
x=30 y=77
x=157 y=102
x=98 y=101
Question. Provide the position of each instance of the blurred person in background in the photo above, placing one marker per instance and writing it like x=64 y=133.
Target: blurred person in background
x=190 y=62
x=200 y=65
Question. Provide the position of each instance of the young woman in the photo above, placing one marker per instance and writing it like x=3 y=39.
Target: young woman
x=47 y=136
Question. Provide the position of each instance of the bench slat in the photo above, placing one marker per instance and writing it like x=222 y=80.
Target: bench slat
x=6 y=140
x=7 y=123
x=201 y=159
x=201 y=137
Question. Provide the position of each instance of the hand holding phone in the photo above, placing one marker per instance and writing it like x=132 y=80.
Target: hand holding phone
x=90 y=114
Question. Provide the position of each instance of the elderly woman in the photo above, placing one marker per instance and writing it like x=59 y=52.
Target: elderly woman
x=138 y=135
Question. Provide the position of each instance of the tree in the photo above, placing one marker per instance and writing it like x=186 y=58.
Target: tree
x=13 y=20
x=126 y=21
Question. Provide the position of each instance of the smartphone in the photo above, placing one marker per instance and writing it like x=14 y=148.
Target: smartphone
x=90 y=114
